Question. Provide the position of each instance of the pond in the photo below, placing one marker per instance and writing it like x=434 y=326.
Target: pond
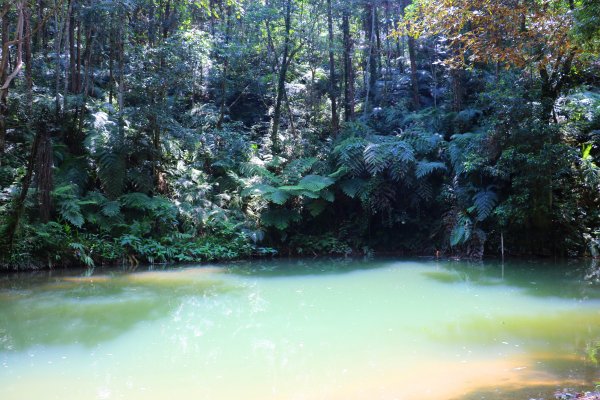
x=301 y=329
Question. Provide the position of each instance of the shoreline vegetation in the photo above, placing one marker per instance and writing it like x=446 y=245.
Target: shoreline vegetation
x=165 y=131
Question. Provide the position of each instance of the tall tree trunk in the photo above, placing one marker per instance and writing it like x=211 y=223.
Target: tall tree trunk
x=28 y=58
x=281 y=81
x=414 y=79
x=111 y=62
x=412 y=56
x=457 y=77
x=223 y=106
x=166 y=25
x=335 y=122
x=40 y=36
x=371 y=69
x=67 y=49
x=59 y=23
x=121 y=86
x=348 y=68
x=78 y=69
x=71 y=45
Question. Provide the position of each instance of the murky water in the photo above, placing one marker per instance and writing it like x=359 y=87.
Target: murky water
x=380 y=329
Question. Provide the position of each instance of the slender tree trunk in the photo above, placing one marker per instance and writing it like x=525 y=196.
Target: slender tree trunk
x=167 y=20
x=111 y=63
x=3 y=77
x=28 y=58
x=271 y=56
x=335 y=122
x=276 y=148
x=412 y=56
x=151 y=24
x=59 y=23
x=348 y=68
x=67 y=47
x=414 y=79
x=223 y=106
x=40 y=36
x=371 y=69
x=121 y=88
x=457 y=77
x=78 y=70
x=71 y=45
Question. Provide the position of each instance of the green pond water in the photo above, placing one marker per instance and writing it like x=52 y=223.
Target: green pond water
x=378 y=329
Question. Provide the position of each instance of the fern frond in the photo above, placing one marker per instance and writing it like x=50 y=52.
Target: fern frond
x=297 y=168
x=315 y=183
x=461 y=232
x=385 y=152
x=353 y=187
x=138 y=201
x=425 y=168
x=280 y=219
x=111 y=209
x=111 y=170
x=316 y=207
x=484 y=203
x=350 y=155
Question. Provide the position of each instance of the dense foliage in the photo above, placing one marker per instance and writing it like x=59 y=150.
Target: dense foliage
x=184 y=131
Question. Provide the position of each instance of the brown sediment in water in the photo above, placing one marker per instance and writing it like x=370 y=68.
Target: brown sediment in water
x=446 y=380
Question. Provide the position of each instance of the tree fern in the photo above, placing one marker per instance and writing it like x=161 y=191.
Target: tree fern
x=484 y=203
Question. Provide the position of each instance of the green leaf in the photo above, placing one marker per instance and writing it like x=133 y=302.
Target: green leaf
x=586 y=150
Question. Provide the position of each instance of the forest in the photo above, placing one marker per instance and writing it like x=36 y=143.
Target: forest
x=160 y=131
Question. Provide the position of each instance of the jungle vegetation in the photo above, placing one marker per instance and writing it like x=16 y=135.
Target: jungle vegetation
x=198 y=130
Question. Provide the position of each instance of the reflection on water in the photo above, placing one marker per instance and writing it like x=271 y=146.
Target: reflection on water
x=89 y=310
x=301 y=329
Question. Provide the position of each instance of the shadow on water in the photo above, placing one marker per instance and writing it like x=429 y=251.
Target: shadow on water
x=304 y=267
x=88 y=310
x=573 y=280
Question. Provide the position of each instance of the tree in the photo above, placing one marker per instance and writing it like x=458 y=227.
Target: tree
x=510 y=33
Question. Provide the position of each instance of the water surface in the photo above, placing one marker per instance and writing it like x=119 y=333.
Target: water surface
x=379 y=329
